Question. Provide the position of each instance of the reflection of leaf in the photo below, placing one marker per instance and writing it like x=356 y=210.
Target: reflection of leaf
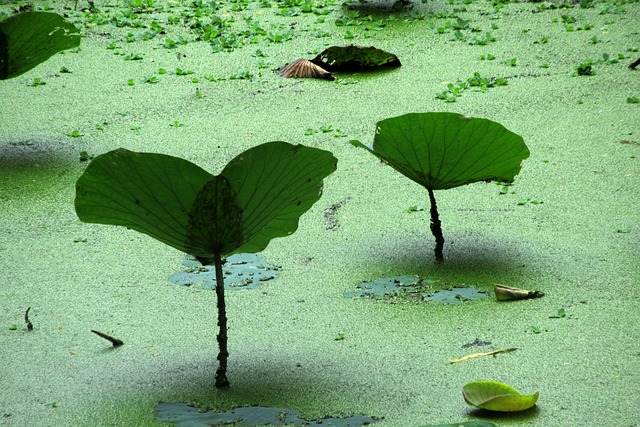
x=29 y=38
x=495 y=396
x=446 y=150
x=355 y=58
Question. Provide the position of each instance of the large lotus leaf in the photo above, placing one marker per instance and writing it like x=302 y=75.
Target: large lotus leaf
x=29 y=38
x=259 y=196
x=147 y=192
x=446 y=150
x=215 y=220
x=274 y=184
x=355 y=58
x=495 y=396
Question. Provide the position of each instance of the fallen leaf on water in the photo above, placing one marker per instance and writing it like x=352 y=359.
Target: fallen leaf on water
x=488 y=353
x=509 y=293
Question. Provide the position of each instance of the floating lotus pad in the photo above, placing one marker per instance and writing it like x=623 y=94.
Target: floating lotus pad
x=241 y=271
x=495 y=396
x=475 y=423
x=355 y=58
x=183 y=415
x=393 y=288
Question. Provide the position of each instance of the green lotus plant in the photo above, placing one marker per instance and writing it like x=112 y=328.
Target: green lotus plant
x=446 y=150
x=258 y=196
x=495 y=396
x=29 y=38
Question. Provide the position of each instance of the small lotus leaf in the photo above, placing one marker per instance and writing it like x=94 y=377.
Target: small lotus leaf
x=355 y=58
x=29 y=38
x=495 y=396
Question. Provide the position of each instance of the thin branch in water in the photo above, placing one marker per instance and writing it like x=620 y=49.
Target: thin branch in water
x=115 y=341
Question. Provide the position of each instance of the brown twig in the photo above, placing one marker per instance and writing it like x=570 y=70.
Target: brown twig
x=115 y=341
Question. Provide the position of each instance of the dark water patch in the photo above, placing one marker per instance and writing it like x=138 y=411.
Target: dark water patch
x=241 y=271
x=183 y=415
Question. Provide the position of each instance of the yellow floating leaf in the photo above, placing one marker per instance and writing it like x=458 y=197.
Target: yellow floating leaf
x=488 y=353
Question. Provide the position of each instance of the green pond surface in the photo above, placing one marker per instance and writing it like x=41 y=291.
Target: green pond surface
x=198 y=80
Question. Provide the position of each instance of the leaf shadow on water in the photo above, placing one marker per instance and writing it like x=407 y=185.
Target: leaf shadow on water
x=511 y=418
x=32 y=166
x=476 y=260
x=265 y=382
x=24 y=154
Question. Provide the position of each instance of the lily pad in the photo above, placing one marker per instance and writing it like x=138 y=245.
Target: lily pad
x=29 y=38
x=456 y=295
x=495 y=396
x=241 y=271
x=416 y=288
x=475 y=423
x=183 y=415
x=355 y=58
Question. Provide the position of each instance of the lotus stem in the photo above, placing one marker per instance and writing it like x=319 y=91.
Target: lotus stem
x=223 y=354
x=436 y=228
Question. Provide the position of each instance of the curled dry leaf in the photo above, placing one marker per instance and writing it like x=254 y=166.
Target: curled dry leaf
x=305 y=69
x=509 y=293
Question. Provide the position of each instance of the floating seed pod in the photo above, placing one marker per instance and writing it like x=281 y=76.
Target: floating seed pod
x=509 y=293
x=305 y=69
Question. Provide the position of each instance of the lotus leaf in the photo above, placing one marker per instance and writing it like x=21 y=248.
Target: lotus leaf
x=355 y=58
x=495 y=396
x=259 y=195
x=29 y=38
x=446 y=150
